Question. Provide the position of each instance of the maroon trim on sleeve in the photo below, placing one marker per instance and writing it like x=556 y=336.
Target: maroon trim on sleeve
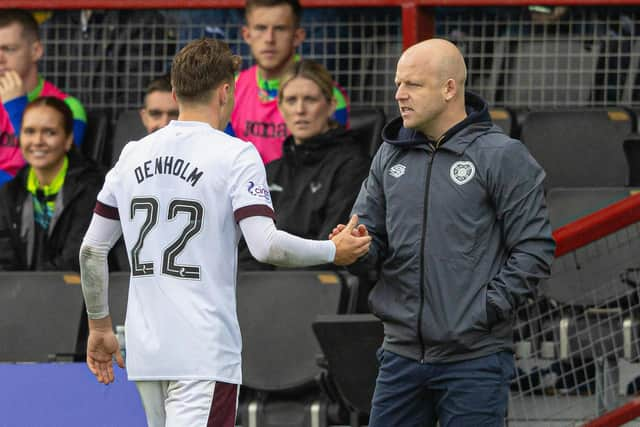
x=254 y=210
x=106 y=211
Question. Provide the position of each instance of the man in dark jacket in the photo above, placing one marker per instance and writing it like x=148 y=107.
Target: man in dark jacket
x=313 y=186
x=20 y=249
x=461 y=238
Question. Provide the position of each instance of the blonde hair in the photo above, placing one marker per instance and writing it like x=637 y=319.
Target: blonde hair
x=309 y=70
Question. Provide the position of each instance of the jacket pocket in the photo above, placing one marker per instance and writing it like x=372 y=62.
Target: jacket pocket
x=481 y=317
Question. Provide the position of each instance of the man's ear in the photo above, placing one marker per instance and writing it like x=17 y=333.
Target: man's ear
x=224 y=93
x=245 y=33
x=450 y=90
x=36 y=50
x=298 y=36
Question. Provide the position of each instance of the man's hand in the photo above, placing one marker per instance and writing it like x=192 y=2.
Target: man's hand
x=11 y=86
x=359 y=231
x=101 y=347
x=350 y=243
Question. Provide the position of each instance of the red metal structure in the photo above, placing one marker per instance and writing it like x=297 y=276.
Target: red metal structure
x=619 y=416
x=597 y=225
x=417 y=15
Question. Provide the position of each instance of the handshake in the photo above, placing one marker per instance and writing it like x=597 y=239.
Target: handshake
x=352 y=241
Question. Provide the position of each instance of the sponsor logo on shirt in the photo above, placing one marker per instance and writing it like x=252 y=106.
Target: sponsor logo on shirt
x=397 y=171
x=259 y=191
x=462 y=172
x=265 y=130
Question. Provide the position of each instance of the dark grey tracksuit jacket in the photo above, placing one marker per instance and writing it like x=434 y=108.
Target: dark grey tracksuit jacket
x=461 y=237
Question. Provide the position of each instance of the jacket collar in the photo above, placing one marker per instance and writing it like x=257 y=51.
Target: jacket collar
x=315 y=148
x=478 y=120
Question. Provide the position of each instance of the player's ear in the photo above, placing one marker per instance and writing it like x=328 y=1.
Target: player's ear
x=37 y=50
x=224 y=93
x=246 y=34
x=298 y=36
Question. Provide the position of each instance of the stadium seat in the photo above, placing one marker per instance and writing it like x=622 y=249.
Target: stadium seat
x=349 y=344
x=367 y=123
x=630 y=90
x=41 y=316
x=118 y=296
x=128 y=127
x=280 y=371
x=632 y=154
x=584 y=312
x=504 y=118
x=118 y=257
x=569 y=204
x=579 y=148
x=549 y=72
x=96 y=136
x=578 y=277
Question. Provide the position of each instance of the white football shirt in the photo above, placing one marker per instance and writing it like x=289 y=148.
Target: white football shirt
x=179 y=194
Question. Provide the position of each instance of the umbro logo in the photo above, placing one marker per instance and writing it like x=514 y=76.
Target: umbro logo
x=397 y=171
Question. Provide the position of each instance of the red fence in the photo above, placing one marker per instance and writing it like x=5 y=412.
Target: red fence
x=417 y=15
x=597 y=225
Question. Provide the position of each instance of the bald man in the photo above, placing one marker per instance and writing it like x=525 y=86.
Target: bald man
x=461 y=238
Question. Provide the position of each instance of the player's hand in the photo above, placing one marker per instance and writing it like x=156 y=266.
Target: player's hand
x=350 y=245
x=101 y=347
x=11 y=86
x=359 y=231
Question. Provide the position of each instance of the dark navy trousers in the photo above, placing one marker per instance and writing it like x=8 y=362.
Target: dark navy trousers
x=470 y=393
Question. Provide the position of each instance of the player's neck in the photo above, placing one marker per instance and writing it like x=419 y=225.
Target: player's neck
x=275 y=73
x=30 y=81
x=202 y=114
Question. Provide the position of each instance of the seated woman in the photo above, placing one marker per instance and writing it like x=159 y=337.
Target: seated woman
x=315 y=182
x=46 y=209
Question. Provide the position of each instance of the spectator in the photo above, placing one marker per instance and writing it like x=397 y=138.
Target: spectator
x=315 y=183
x=158 y=110
x=46 y=209
x=20 y=51
x=461 y=238
x=159 y=105
x=273 y=33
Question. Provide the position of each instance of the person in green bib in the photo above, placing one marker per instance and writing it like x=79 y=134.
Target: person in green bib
x=46 y=209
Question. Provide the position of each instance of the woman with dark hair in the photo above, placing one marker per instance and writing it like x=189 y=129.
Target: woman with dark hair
x=315 y=182
x=46 y=209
